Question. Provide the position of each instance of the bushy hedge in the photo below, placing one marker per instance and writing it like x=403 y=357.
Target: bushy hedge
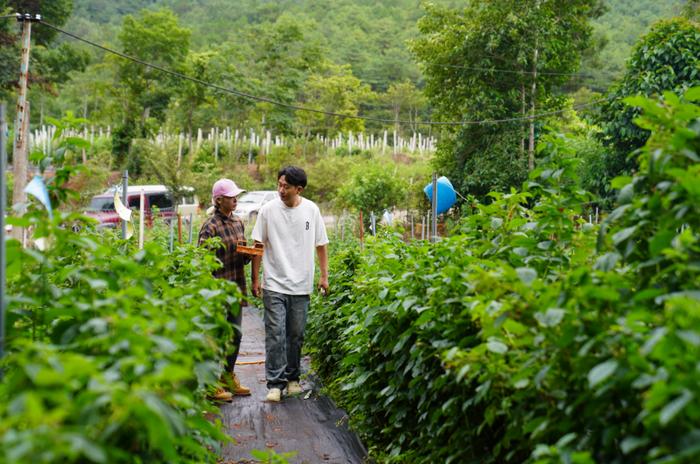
x=111 y=350
x=529 y=337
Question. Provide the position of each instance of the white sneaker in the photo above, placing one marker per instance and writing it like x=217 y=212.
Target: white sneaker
x=293 y=388
x=274 y=395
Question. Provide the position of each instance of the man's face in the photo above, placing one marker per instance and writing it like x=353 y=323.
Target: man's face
x=287 y=191
x=227 y=204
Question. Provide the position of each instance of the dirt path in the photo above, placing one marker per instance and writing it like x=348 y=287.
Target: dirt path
x=309 y=424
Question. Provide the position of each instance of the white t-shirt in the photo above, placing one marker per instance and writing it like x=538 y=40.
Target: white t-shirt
x=290 y=236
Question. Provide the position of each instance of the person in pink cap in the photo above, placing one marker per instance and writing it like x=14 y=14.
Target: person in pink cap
x=230 y=229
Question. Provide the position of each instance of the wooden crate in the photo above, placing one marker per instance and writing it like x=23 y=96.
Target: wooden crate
x=243 y=248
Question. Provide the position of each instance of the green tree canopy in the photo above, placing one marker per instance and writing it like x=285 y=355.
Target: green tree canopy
x=371 y=190
x=46 y=68
x=463 y=52
x=336 y=90
x=190 y=96
x=272 y=60
x=406 y=102
x=667 y=58
x=55 y=12
x=154 y=37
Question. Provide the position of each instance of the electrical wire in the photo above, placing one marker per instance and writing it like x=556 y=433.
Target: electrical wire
x=258 y=98
x=510 y=71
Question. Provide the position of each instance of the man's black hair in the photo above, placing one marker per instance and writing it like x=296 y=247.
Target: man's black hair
x=294 y=175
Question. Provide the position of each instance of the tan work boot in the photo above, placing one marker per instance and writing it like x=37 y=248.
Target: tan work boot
x=221 y=394
x=231 y=380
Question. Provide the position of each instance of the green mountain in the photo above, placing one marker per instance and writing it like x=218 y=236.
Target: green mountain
x=370 y=36
x=618 y=30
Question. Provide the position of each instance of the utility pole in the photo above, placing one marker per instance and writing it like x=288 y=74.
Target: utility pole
x=531 y=144
x=19 y=152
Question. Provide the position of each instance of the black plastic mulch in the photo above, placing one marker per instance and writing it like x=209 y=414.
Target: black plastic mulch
x=309 y=424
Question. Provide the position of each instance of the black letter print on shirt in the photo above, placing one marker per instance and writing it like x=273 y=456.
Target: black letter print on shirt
x=307 y=225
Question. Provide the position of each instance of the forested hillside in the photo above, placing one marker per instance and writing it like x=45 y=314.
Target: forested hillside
x=617 y=31
x=370 y=36
x=388 y=67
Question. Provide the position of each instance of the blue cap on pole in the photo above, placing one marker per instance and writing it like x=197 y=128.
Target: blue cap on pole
x=446 y=195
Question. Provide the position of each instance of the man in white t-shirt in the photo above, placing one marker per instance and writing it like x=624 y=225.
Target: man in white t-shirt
x=290 y=228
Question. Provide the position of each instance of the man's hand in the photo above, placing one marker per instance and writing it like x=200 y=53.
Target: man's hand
x=323 y=285
x=255 y=275
x=256 y=289
x=322 y=252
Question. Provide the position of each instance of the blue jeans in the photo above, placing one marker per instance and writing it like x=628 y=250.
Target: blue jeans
x=285 y=319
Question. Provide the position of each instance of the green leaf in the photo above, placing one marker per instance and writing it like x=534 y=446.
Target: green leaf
x=565 y=440
x=496 y=346
x=656 y=335
x=620 y=182
x=550 y=318
x=601 y=372
x=631 y=443
x=623 y=235
x=626 y=194
x=636 y=100
x=77 y=142
x=83 y=445
x=660 y=241
x=526 y=274
x=209 y=294
x=692 y=94
x=692 y=294
x=522 y=383
x=674 y=407
x=607 y=262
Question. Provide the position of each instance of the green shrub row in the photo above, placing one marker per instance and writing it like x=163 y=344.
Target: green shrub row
x=529 y=335
x=111 y=350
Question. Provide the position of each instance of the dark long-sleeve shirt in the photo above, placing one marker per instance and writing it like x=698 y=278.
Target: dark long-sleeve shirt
x=230 y=230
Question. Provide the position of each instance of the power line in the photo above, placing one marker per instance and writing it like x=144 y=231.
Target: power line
x=511 y=71
x=258 y=98
x=471 y=68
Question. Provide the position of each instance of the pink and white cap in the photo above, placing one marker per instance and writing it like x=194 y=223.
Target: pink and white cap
x=225 y=188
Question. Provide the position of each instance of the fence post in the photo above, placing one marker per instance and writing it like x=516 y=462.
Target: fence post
x=125 y=198
x=172 y=232
x=142 y=208
x=250 y=146
x=3 y=201
x=216 y=144
x=362 y=230
x=434 y=207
